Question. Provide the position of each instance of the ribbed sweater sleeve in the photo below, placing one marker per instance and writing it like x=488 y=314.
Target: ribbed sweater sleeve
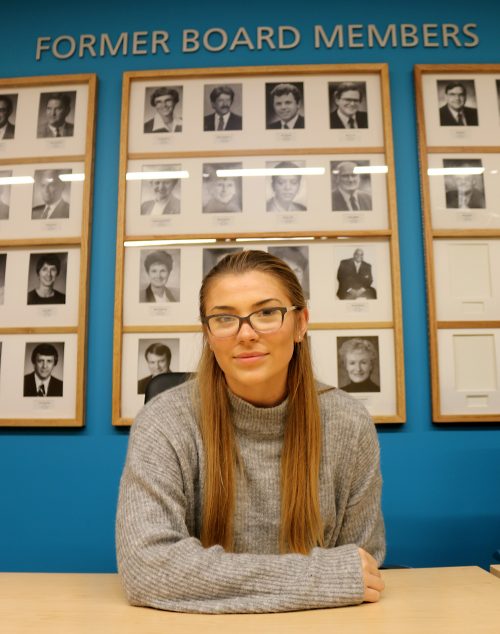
x=160 y=558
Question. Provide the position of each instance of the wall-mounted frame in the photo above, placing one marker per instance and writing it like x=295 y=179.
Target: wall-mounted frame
x=459 y=138
x=46 y=171
x=322 y=187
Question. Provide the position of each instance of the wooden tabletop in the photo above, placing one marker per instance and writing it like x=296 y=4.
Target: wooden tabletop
x=415 y=601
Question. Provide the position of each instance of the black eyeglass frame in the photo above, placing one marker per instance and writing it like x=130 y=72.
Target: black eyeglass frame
x=247 y=319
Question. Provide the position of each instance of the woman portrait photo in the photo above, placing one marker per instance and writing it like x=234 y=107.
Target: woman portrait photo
x=287 y=187
x=157 y=267
x=47 y=278
x=297 y=259
x=358 y=364
x=164 y=103
x=251 y=487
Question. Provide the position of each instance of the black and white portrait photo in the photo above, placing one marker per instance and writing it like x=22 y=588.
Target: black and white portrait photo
x=5 y=175
x=160 y=276
x=44 y=369
x=221 y=193
x=355 y=278
x=286 y=191
x=348 y=106
x=161 y=194
x=155 y=356
x=285 y=106
x=297 y=258
x=351 y=190
x=3 y=266
x=51 y=194
x=56 y=114
x=465 y=188
x=222 y=107
x=457 y=101
x=498 y=95
x=358 y=364
x=8 y=107
x=211 y=257
x=163 y=109
x=47 y=278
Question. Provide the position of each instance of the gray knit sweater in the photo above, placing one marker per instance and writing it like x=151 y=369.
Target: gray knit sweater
x=160 y=558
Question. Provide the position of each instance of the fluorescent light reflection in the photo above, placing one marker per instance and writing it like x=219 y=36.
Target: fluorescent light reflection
x=271 y=171
x=17 y=180
x=271 y=239
x=367 y=169
x=161 y=243
x=454 y=171
x=68 y=178
x=157 y=176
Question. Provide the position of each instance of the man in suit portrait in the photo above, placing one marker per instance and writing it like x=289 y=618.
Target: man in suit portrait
x=455 y=112
x=355 y=278
x=462 y=192
x=40 y=382
x=286 y=101
x=5 y=195
x=164 y=200
x=347 y=195
x=158 y=357
x=164 y=100
x=221 y=99
x=50 y=188
x=52 y=122
x=345 y=101
x=7 y=129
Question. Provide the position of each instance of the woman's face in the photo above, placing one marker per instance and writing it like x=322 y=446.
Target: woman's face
x=158 y=275
x=359 y=365
x=47 y=275
x=255 y=365
x=286 y=188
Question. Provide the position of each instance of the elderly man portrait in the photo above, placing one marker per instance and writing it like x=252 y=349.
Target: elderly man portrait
x=286 y=101
x=158 y=357
x=346 y=192
x=355 y=278
x=49 y=188
x=52 y=118
x=7 y=128
x=222 y=118
x=345 y=102
x=221 y=194
x=4 y=195
x=455 y=112
x=48 y=269
x=160 y=193
x=465 y=188
x=164 y=101
x=40 y=382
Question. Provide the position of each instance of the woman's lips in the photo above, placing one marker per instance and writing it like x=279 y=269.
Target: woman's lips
x=249 y=357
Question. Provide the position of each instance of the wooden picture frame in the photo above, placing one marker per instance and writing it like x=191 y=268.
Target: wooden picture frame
x=459 y=126
x=46 y=175
x=173 y=205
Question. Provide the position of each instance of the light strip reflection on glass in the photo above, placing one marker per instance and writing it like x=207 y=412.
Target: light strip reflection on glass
x=454 y=171
x=17 y=180
x=160 y=243
x=68 y=178
x=271 y=171
x=156 y=176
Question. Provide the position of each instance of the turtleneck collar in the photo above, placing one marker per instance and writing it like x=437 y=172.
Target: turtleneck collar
x=258 y=421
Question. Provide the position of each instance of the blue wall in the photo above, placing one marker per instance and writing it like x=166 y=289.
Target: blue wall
x=58 y=488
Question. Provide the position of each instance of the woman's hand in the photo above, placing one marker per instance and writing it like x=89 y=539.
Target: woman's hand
x=372 y=578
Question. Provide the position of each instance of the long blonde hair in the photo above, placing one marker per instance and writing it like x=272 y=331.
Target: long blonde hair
x=301 y=525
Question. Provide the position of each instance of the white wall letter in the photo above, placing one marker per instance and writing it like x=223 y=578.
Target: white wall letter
x=160 y=38
x=282 y=32
x=337 y=33
x=61 y=40
x=42 y=44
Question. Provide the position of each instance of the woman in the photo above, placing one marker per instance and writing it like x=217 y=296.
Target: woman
x=358 y=357
x=251 y=489
x=48 y=267
x=164 y=100
x=158 y=266
x=285 y=188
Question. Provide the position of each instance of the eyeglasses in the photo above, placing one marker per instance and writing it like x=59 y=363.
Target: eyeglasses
x=265 y=320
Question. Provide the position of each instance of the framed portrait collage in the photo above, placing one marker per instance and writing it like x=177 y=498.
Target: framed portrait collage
x=458 y=109
x=47 y=127
x=296 y=160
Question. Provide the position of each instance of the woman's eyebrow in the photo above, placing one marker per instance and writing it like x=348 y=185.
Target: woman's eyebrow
x=255 y=305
